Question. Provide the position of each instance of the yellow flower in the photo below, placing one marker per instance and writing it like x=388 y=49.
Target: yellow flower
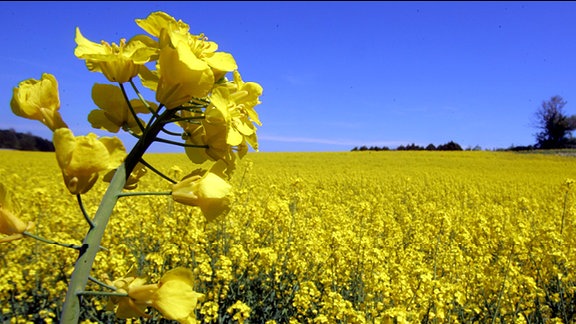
x=210 y=192
x=81 y=158
x=156 y=21
x=114 y=112
x=209 y=134
x=219 y=62
x=240 y=310
x=119 y=63
x=175 y=298
x=10 y=224
x=38 y=100
x=183 y=76
x=138 y=299
x=233 y=105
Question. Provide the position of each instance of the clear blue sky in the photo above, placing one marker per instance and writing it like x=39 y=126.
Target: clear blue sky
x=335 y=74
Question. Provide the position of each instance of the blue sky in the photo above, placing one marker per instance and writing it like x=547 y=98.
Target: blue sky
x=335 y=74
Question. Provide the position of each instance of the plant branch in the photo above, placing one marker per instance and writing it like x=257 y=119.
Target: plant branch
x=144 y=102
x=91 y=244
x=45 y=240
x=101 y=293
x=84 y=213
x=98 y=282
x=129 y=194
x=180 y=144
x=131 y=108
x=149 y=166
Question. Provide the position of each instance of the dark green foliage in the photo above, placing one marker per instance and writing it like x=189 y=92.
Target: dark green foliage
x=450 y=146
x=555 y=126
x=11 y=139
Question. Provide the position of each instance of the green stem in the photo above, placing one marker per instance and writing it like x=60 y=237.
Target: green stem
x=171 y=132
x=102 y=293
x=185 y=119
x=149 y=166
x=144 y=102
x=180 y=144
x=132 y=111
x=128 y=194
x=91 y=244
x=45 y=240
x=98 y=282
x=84 y=213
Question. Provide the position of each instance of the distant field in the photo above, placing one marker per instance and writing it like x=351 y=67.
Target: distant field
x=349 y=237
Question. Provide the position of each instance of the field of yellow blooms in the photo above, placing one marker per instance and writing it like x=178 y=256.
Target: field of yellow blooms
x=349 y=237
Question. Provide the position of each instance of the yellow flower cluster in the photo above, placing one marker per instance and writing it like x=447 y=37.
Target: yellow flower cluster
x=217 y=121
x=173 y=296
x=409 y=237
x=80 y=158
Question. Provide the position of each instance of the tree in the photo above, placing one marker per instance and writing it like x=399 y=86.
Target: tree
x=555 y=126
x=11 y=139
x=450 y=146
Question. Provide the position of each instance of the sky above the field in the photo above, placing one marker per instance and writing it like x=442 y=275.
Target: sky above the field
x=335 y=74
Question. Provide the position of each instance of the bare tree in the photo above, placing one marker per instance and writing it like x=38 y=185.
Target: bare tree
x=555 y=126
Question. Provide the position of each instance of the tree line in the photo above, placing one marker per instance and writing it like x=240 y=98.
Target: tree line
x=11 y=139
x=554 y=126
x=450 y=146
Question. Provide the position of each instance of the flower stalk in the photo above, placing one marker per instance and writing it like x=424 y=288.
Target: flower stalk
x=91 y=244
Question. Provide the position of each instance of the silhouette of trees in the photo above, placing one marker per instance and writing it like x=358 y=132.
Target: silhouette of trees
x=450 y=146
x=10 y=139
x=555 y=126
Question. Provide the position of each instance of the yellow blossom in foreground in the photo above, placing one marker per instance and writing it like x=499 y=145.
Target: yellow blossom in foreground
x=210 y=192
x=183 y=76
x=129 y=306
x=38 y=100
x=10 y=224
x=119 y=63
x=173 y=296
x=219 y=62
x=180 y=74
x=81 y=158
x=232 y=112
x=114 y=112
x=212 y=135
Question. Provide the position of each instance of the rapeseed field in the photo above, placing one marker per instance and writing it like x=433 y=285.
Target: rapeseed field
x=347 y=237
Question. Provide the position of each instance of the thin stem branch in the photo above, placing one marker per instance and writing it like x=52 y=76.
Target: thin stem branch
x=158 y=139
x=144 y=102
x=45 y=240
x=101 y=293
x=98 y=282
x=129 y=194
x=199 y=101
x=84 y=213
x=131 y=108
x=164 y=130
x=155 y=116
x=149 y=166
x=173 y=120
